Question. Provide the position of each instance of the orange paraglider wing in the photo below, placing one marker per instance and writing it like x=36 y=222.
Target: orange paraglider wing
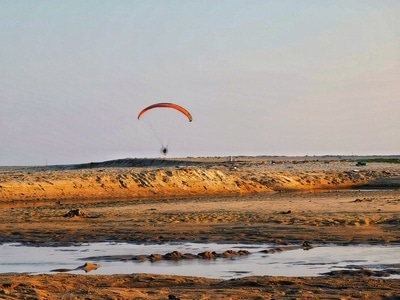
x=167 y=105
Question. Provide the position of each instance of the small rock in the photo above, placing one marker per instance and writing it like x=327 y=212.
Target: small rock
x=155 y=257
x=87 y=267
x=76 y=213
x=207 y=255
x=306 y=245
x=175 y=255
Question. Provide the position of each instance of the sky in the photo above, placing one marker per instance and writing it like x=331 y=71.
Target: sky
x=283 y=77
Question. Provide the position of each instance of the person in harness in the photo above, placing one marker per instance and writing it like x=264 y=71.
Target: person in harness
x=164 y=150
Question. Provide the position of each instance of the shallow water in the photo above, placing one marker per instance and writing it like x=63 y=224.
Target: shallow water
x=17 y=258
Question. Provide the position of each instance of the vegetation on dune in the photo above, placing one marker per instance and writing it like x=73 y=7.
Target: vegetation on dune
x=383 y=160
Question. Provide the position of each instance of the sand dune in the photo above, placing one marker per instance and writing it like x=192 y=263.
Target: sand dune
x=143 y=178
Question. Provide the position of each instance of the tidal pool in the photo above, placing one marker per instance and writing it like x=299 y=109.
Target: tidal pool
x=112 y=258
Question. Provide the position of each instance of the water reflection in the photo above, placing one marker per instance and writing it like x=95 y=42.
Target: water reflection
x=118 y=258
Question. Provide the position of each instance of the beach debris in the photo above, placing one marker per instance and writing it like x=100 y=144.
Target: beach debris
x=76 y=213
x=361 y=163
x=173 y=297
x=233 y=168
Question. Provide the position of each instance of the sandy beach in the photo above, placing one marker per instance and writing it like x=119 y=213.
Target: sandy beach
x=292 y=201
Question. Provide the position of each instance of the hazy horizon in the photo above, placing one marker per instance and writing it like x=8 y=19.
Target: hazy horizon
x=285 y=78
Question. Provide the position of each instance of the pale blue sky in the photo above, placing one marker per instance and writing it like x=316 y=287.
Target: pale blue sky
x=259 y=77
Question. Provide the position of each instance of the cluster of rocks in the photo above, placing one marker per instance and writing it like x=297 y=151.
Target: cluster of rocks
x=76 y=213
x=176 y=255
x=362 y=272
x=305 y=246
x=207 y=255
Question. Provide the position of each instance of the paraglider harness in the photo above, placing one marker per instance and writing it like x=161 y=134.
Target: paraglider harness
x=164 y=150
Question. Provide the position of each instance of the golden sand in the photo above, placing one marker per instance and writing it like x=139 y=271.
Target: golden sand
x=250 y=200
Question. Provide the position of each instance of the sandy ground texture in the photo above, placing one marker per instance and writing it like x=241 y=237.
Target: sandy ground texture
x=287 y=201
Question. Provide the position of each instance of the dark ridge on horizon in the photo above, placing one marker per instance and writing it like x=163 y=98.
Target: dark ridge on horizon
x=207 y=161
x=211 y=161
x=129 y=162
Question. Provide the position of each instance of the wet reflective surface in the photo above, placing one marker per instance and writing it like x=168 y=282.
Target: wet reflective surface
x=265 y=259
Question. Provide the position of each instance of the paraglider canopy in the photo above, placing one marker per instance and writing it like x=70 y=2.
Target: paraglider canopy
x=160 y=122
x=167 y=105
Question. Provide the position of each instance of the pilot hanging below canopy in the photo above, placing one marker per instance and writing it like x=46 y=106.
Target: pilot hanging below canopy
x=169 y=131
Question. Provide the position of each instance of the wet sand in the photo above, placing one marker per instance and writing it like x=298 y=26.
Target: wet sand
x=286 y=201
